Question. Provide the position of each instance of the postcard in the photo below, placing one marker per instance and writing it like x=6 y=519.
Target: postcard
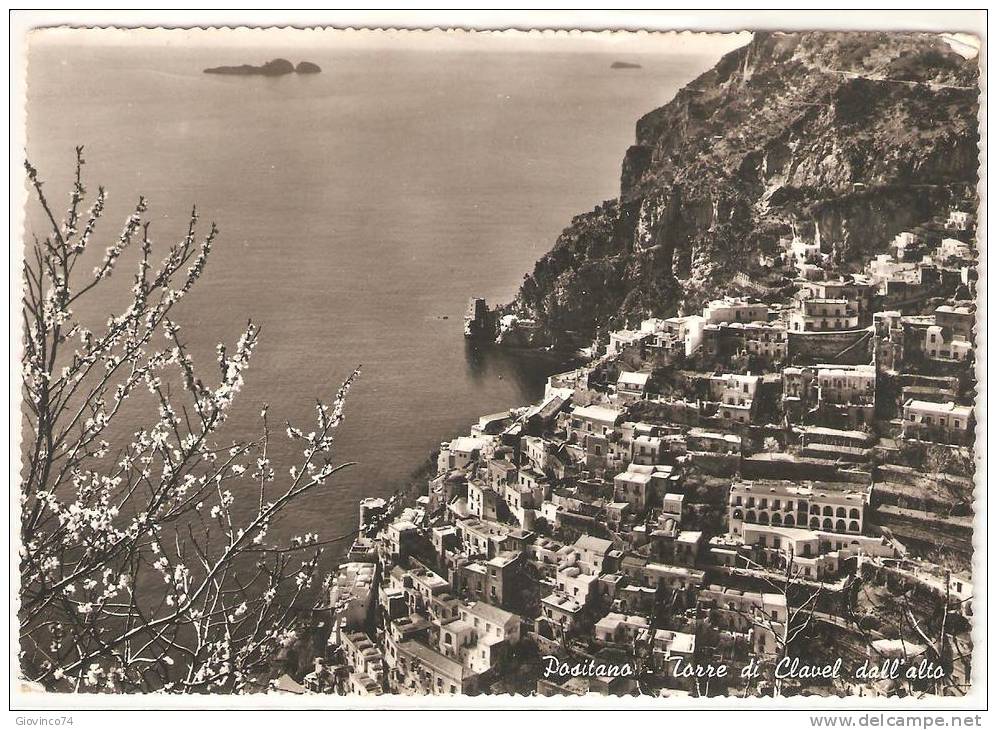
x=363 y=367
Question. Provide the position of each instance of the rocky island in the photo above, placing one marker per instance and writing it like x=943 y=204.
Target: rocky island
x=276 y=67
x=624 y=64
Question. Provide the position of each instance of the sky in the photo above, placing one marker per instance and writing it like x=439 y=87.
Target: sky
x=437 y=40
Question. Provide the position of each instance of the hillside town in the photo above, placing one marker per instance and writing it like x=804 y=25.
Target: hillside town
x=791 y=465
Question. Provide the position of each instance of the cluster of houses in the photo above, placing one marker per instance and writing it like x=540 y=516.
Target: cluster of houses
x=647 y=515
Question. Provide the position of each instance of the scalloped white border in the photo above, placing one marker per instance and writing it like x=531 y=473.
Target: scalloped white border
x=504 y=25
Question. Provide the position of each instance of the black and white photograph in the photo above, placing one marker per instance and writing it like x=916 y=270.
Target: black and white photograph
x=362 y=366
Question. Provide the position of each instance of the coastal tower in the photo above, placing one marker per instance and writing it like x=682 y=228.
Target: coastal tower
x=478 y=320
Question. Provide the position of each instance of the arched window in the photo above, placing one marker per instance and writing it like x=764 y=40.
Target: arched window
x=828 y=511
x=790 y=521
x=842 y=512
x=750 y=516
x=737 y=514
x=763 y=518
x=776 y=519
x=853 y=526
x=854 y=513
x=828 y=523
x=839 y=526
x=815 y=522
x=814 y=509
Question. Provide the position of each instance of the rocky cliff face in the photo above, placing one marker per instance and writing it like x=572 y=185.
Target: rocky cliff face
x=852 y=137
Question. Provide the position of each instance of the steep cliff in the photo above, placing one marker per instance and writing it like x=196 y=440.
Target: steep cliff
x=852 y=137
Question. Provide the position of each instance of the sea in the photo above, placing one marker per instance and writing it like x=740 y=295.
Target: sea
x=358 y=210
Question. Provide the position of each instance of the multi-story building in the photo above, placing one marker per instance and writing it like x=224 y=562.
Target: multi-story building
x=731 y=309
x=959 y=319
x=735 y=395
x=941 y=343
x=483 y=537
x=953 y=248
x=482 y=500
x=366 y=664
x=594 y=553
x=587 y=422
x=824 y=315
x=857 y=290
x=814 y=506
x=960 y=220
x=561 y=613
x=846 y=394
x=623 y=339
x=647 y=450
x=945 y=335
x=885 y=270
x=463 y=451
x=836 y=396
x=905 y=245
x=352 y=595
x=943 y=422
x=573 y=581
x=420 y=669
x=766 y=341
x=401 y=538
x=618 y=628
x=492 y=581
x=675 y=335
x=667 y=645
x=640 y=485
x=632 y=386
x=764 y=617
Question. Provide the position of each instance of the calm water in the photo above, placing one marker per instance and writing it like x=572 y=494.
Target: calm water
x=357 y=208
